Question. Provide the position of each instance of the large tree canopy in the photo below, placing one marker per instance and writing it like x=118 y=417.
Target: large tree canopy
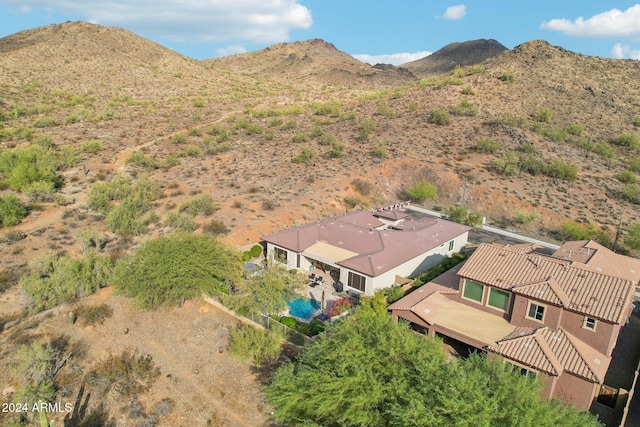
x=371 y=371
x=168 y=270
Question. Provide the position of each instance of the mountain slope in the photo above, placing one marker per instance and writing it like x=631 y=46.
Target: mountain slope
x=462 y=54
x=311 y=59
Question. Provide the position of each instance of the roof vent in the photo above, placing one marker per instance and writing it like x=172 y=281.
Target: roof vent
x=596 y=361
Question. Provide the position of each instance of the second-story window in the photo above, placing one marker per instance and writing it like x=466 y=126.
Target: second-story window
x=590 y=323
x=536 y=311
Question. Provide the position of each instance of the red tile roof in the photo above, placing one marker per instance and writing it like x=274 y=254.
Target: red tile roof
x=551 y=280
x=600 y=259
x=553 y=352
x=379 y=248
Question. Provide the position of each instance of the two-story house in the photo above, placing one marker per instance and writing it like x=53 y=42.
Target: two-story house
x=555 y=316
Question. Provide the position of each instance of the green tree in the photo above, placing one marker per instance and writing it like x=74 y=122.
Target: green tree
x=11 y=210
x=366 y=371
x=462 y=215
x=507 y=164
x=269 y=291
x=169 y=269
x=420 y=191
x=370 y=371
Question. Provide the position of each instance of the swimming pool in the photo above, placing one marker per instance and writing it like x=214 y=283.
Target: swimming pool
x=303 y=308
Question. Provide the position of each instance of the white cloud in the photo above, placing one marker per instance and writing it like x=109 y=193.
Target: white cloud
x=621 y=51
x=230 y=50
x=394 y=58
x=612 y=23
x=258 y=21
x=455 y=12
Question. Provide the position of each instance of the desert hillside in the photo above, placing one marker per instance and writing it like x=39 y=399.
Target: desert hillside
x=534 y=139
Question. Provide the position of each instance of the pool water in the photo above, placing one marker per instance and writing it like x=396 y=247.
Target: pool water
x=303 y=308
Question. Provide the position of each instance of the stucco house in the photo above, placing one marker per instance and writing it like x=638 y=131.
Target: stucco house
x=555 y=316
x=366 y=250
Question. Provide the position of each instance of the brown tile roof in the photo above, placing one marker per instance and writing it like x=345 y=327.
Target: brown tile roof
x=553 y=352
x=379 y=249
x=415 y=297
x=600 y=259
x=551 y=280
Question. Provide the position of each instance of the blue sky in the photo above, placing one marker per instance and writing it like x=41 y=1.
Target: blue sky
x=372 y=30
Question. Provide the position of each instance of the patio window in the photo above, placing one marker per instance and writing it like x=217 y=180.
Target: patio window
x=499 y=299
x=357 y=281
x=590 y=323
x=473 y=290
x=536 y=311
x=280 y=254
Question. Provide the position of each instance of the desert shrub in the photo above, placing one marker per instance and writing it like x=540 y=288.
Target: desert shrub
x=462 y=215
x=420 y=191
x=40 y=191
x=167 y=270
x=45 y=141
x=128 y=373
x=316 y=132
x=365 y=129
x=393 y=294
x=351 y=201
x=335 y=150
x=543 y=115
x=575 y=130
x=327 y=139
x=91 y=146
x=253 y=129
x=44 y=122
x=179 y=138
x=255 y=251
x=440 y=117
x=447 y=264
x=508 y=77
x=561 y=169
x=22 y=166
x=193 y=151
x=511 y=120
x=379 y=150
x=524 y=218
x=11 y=210
x=628 y=140
x=361 y=186
x=269 y=205
x=465 y=108
x=68 y=157
x=487 y=146
x=528 y=148
x=180 y=222
x=507 y=164
x=555 y=135
x=468 y=90
x=457 y=71
x=55 y=279
x=255 y=345
x=338 y=306
x=300 y=137
x=125 y=218
x=604 y=150
x=532 y=164
x=306 y=156
x=331 y=108
x=202 y=204
x=631 y=192
x=572 y=230
x=627 y=177
x=634 y=164
x=35 y=368
x=93 y=314
x=138 y=158
x=291 y=124
x=636 y=122
x=216 y=227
